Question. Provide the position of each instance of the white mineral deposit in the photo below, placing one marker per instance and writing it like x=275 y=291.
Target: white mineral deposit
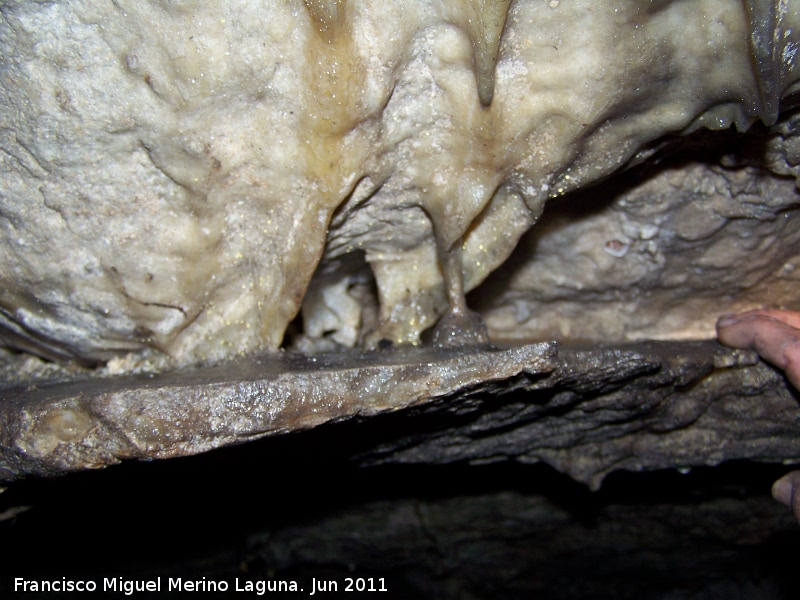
x=174 y=174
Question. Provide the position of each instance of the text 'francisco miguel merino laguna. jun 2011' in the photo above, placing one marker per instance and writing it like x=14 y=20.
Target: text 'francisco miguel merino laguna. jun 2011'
x=178 y=584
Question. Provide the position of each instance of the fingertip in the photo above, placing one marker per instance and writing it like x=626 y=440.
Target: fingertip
x=787 y=491
x=782 y=490
x=727 y=320
x=738 y=331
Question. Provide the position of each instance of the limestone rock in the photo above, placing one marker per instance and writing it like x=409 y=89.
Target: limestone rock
x=660 y=253
x=585 y=411
x=174 y=173
x=50 y=428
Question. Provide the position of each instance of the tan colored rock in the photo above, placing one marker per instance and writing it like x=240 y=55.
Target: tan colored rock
x=172 y=174
x=659 y=259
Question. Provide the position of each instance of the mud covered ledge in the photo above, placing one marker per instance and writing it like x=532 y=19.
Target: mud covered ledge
x=587 y=411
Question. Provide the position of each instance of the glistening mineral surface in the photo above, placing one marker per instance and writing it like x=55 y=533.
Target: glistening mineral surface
x=49 y=429
x=172 y=174
x=586 y=411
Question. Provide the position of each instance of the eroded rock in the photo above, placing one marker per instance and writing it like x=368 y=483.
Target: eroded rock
x=660 y=254
x=585 y=411
x=50 y=428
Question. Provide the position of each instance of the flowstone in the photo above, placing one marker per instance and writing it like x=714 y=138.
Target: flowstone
x=185 y=183
x=173 y=174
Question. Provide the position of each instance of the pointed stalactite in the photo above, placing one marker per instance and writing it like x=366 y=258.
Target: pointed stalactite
x=485 y=22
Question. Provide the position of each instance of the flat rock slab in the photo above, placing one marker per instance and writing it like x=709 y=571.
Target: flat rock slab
x=55 y=428
x=587 y=411
x=634 y=407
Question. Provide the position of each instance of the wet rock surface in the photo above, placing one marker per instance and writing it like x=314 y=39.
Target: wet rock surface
x=587 y=411
x=181 y=179
x=160 y=207
x=52 y=428
x=418 y=470
x=634 y=407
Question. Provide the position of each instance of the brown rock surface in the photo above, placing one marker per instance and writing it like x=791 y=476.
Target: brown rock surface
x=586 y=411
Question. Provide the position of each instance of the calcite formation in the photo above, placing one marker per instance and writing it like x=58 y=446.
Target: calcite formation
x=661 y=253
x=184 y=176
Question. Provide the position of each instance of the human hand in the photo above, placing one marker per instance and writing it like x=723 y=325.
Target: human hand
x=775 y=335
